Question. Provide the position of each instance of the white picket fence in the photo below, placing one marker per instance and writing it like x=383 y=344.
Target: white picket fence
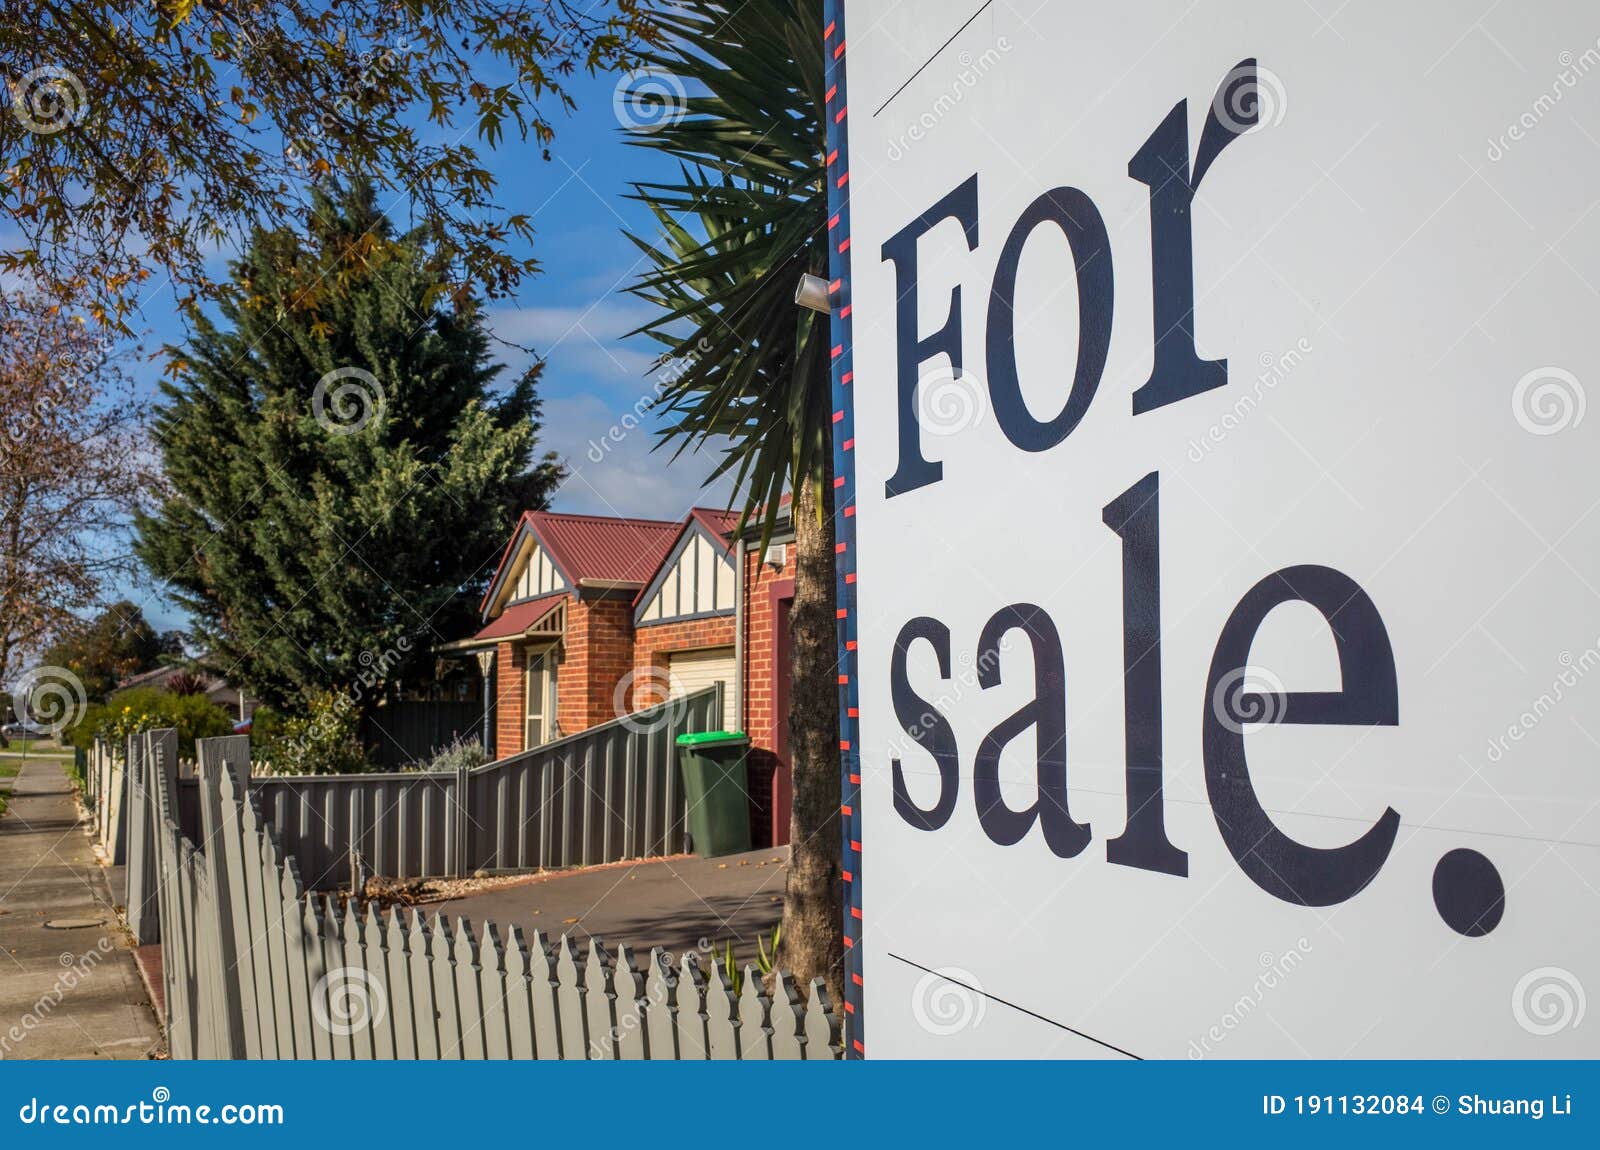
x=254 y=968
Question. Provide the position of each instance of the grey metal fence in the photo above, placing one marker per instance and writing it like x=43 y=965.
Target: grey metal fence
x=603 y=795
x=254 y=968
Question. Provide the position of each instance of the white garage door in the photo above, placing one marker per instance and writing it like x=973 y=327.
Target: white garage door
x=693 y=671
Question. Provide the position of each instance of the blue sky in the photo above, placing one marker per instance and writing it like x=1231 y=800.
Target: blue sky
x=574 y=315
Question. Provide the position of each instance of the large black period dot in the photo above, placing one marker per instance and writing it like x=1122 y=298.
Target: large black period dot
x=1469 y=893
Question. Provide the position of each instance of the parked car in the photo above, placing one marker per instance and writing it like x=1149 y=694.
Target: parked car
x=20 y=730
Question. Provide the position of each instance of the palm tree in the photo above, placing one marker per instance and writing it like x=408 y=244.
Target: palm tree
x=744 y=220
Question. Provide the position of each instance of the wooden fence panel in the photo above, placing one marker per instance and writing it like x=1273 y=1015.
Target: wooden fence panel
x=543 y=986
x=441 y=962
x=138 y=895
x=470 y=1004
x=397 y=966
x=629 y=1004
x=421 y=973
x=722 y=1016
x=520 y=1013
x=496 y=990
x=269 y=937
x=694 y=1031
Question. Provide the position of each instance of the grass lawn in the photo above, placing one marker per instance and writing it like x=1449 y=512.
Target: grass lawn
x=33 y=749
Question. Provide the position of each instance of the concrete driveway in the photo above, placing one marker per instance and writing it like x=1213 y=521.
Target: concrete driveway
x=678 y=904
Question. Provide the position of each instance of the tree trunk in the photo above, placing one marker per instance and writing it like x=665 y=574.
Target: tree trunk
x=813 y=905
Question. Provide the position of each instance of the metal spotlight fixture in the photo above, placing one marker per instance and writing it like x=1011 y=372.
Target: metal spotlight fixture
x=812 y=292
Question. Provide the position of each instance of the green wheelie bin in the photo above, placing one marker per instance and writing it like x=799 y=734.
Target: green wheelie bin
x=716 y=791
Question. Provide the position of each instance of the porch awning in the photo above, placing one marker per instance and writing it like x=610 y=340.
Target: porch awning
x=516 y=621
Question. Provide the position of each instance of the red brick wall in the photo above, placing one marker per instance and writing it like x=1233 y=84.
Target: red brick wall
x=508 y=702
x=654 y=642
x=597 y=655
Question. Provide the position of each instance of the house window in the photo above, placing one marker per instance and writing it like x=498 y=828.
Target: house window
x=541 y=698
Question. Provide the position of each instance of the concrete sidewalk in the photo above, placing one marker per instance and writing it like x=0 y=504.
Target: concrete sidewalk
x=671 y=903
x=68 y=987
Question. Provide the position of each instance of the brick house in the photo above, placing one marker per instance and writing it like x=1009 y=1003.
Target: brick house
x=588 y=617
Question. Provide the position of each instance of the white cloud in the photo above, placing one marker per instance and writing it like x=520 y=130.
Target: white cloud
x=614 y=469
x=586 y=342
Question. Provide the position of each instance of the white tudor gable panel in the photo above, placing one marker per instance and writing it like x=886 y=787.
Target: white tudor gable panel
x=538 y=576
x=698 y=581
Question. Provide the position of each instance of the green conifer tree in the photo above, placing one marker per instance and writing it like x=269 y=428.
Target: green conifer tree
x=341 y=473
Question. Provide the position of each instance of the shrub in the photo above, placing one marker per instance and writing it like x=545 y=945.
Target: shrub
x=186 y=683
x=322 y=741
x=461 y=754
x=266 y=726
x=148 y=709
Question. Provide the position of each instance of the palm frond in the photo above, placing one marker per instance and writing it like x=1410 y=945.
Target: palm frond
x=746 y=217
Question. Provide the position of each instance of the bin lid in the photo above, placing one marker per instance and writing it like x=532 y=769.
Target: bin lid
x=712 y=738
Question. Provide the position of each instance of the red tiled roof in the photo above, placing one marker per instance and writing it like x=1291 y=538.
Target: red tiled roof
x=720 y=523
x=513 y=621
x=592 y=547
x=595 y=547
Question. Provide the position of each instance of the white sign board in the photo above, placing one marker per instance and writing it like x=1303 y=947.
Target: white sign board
x=1229 y=527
